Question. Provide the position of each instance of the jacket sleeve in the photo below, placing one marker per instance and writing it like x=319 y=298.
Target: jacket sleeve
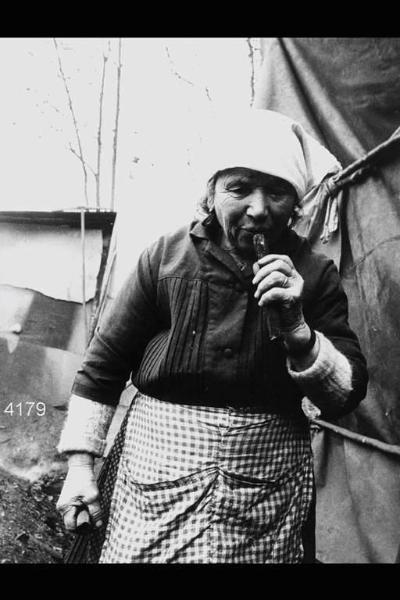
x=117 y=346
x=86 y=427
x=346 y=381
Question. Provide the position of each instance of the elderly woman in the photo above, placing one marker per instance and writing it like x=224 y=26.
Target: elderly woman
x=216 y=464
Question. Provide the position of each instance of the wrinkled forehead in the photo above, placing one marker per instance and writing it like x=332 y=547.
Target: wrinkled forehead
x=252 y=177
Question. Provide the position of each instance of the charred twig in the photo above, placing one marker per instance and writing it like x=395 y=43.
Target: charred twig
x=26 y=538
x=46 y=548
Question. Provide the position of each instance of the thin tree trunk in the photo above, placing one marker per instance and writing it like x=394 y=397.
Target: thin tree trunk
x=99 y=142
x=71 y=108
x=115 y=140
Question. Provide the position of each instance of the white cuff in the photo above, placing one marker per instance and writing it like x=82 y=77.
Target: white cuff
x=86 y=426
x=328 y=379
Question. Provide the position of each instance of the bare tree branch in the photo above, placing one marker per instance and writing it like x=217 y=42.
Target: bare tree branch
x=179 y=76
x=115 y=139
x=86 y=164
x=99 y=141
x=71 y=108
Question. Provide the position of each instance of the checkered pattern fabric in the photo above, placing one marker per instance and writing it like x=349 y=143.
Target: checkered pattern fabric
x=209 y=485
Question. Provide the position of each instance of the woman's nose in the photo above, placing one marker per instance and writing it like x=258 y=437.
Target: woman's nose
x=257 y=207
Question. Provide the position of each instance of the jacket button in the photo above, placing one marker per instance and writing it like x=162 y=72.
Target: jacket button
x=228 y=352
x=238 y=287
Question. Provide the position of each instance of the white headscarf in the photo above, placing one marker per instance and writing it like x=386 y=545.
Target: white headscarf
x=267 y=141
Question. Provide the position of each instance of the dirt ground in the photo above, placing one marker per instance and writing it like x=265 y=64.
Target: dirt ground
x=30 y=527
x=31 y=478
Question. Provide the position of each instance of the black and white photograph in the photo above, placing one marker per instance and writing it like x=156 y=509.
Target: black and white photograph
x=199 y=301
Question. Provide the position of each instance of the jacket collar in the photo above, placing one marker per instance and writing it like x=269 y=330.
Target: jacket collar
x=208 y=231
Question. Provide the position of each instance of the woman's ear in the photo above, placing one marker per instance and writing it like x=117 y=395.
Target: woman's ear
x=296 y=215
x=210 y=193
x=205 y=205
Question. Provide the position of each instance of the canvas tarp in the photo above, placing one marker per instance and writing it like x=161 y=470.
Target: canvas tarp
x=346 y=92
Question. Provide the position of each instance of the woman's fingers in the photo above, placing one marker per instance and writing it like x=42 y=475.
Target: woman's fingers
x=272 y=280
x=276 y=280
x=80 y=493
x=269 y=258
x=277 y=287
x=83 y=524
x=278 y=264
x=69 y=514
x=95 y=513
x=78 y=513
x=276 y=295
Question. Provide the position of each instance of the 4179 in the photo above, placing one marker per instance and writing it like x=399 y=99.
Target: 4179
x=25 y=408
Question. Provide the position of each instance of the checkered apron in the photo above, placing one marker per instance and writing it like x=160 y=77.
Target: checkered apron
x=199 y=484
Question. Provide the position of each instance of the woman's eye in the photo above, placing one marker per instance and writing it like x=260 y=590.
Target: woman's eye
x=276 y=194
x=243 y=189
x=239 y=189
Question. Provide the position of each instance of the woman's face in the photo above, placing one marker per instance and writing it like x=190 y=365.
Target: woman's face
x=248 y=202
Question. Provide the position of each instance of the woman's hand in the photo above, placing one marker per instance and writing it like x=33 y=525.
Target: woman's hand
x=80 y=492
x=277 y=280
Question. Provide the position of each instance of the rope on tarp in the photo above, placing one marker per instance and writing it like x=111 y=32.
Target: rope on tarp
x=357 y=171
x=327 y=193
x=362 y=166
x=357 y=437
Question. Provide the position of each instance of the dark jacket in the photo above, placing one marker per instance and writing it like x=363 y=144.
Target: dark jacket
x=187 y=328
